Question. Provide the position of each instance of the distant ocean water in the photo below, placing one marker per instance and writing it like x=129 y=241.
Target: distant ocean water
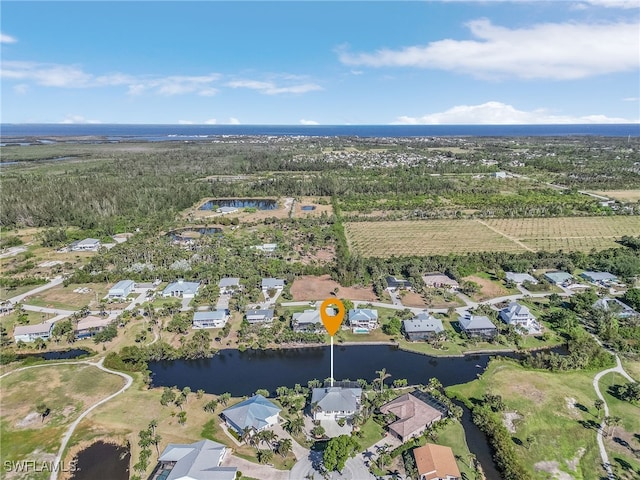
x=117 y=132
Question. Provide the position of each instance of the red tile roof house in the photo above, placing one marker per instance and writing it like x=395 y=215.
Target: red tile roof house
x=436 y=462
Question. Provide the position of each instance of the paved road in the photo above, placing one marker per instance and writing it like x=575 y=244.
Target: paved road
x=41 y=288
x=596 y=385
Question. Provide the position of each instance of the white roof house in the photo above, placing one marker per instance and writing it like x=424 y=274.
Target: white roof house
x=214 y=319
x=362 y=320
x=519 y=315
x=275 y=283
x=602 y=278
x=335 y=402
x=122 y=289
x=88 y=244
x=195 y=461
x=266 y=247
x=422 y=326
x=260 y=316
x=181 y=289
x=521 y=278
x=307 y=321
x=29 y=333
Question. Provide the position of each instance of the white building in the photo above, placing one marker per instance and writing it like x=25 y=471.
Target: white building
x=214 y=319
x=86 y=245
x=332 y=403
x=29 y=333
x=181 y=289
x=363 y=320
x=520 y=316
x=122 y=289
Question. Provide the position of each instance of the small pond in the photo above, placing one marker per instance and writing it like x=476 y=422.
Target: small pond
x=258 y=203
x=102 y=460
x=308 y=208
x=182 y=233
x=57 y=355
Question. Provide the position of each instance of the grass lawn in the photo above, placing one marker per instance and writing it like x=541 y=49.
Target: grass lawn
x=556 y=409
x=453 y=436
x=371 y=433
x=66 y=299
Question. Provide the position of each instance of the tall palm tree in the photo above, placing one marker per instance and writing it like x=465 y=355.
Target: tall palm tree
x=284 y=447
x=382 y=376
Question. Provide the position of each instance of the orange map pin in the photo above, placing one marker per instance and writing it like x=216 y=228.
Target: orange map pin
x=332 y=322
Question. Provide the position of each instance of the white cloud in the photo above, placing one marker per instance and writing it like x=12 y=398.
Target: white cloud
x=497 y=113
x=211 y=121
x=614 y=3
x=78 y=119
x=233 y=121
x=308 y=122
x=4 y=38
x=21 y=89
x=631 y=99
x=186 y=122
x=551 y=50
x=270 y=88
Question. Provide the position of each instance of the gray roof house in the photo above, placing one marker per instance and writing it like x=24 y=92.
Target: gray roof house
x=256 y=413
x=559 y=278
x=29 y=333
x=89 y=326
x=307 y=321
x=478 y=326
x=439 y=280
x=214 y=319
x=259 y=316
x=229 y=285
x=363 y=320
x=520 y=278
x=122 y=289
x=600 y=278
x=397 y=283
x=195 y=461
x=422 y=327
x=269 y=283
x=88 y=244
x=332 y=403
x=608 y=303
x=181 y=289
x=519 y=316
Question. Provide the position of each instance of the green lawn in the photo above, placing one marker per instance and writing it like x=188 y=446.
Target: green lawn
x=453 y=436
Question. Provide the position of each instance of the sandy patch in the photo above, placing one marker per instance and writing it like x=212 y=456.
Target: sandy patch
x=509 y=419
x=573 y=463
x=488 y=288
x=307 y=287
x=412 y=299
x=528 y=391
x=571 y=406
x=552 y=468
x=29 y=420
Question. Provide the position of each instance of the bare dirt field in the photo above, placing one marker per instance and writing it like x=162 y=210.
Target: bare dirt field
x=413 y=299
x=622 y=195
x=62 y=297
x=488 y=288
x=318 y=288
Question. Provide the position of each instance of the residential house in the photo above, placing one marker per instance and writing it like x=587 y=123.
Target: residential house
x=363 y=320
x=332 y=403
x=228 y=286
x=603 y=279
x=520 y=316
x=29 y=333
x=439 y=280
x=214 y=319
x=121 y=290
x=499 y=174
x=623 y=310
x=194 y=461
x=436 y=462
x=519 y=278
x=307 y=321
x=267 y=247
x=422 y=327
x=256 y=413
x=181 y=289
x=86 y=245
x=414 y=412
x=259 y=316
x=89 y=326
x=559 y=278
x=478 y=326
x=394 y=283
x=272 y=284
x=6 y=307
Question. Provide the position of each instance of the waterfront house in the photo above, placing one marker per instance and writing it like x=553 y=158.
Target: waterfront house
x=259 y=316
x=519 y=316
x=439 y=280
x=602 y=279
x=29 y=333
x=228 y=286
x=307 y=321
x=559 y=278
x=477 y=326
x=422 y=327
x=332 y=403
x=121 y=290
x=214 y=319
x=414 y=412
x=256 y=413
x=622 y=310
x=89 y=326
x=193 y=461
x=181 y=289
x=436 y=462
x=86 y=245
x=363 y=320
x=519 y=278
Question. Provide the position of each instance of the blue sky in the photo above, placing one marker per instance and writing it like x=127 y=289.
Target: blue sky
x=324 y=62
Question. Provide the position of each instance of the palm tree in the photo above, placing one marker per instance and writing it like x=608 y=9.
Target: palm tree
x=284 y=447
x=382 y=376
x=156 y=440
x=294 y=425
x=246 y=434
x=224 y=398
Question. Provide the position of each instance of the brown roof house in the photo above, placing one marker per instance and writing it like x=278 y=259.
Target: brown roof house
x=415 y=412
x=436 y=462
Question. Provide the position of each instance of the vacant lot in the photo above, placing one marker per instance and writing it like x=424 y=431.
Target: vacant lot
x=319 y=288
x=438 y=237
x=65 y=297
x=622 y=195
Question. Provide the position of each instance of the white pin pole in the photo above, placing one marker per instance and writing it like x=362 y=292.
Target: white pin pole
x=332 y=360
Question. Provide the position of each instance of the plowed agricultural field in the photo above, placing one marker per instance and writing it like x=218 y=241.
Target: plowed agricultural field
x=438 y=237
